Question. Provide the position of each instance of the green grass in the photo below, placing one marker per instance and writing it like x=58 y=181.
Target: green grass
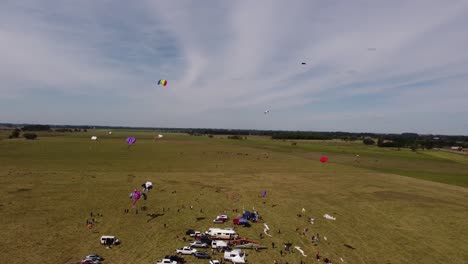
x=392 y=206
x=430 y=165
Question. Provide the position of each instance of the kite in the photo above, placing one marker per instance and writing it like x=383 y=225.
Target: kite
x=300 y=250
x=266 y=112
x=264 y=193
x=136 y=196
x=162 y=82
x=303 y=63
x=131 y=141
x=147 y=186
x=323 y=159
x=266 y=230
x=329 y=217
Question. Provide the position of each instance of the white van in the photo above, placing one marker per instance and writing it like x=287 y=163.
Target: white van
x=222 y=234
x=109 y=240
x=219 y=244
x=235 y=256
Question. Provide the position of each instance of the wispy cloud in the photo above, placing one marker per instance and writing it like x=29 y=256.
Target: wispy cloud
x=227 y=61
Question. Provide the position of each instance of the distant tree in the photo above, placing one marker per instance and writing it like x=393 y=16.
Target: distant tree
x=236 y=137
x=294 y=144
x=368 y=141
x=414 y=147
x=63 y=130
x=36 y=128
x=15 y=133
x=30 y=136
x=380 y=142
x=210 y=136
x=85 y=130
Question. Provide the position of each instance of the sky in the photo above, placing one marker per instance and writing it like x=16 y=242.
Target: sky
x=371 y=66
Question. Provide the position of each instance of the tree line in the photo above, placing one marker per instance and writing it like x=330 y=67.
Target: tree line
x=403 y=140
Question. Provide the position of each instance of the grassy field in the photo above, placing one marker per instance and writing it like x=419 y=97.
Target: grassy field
x=391 y=206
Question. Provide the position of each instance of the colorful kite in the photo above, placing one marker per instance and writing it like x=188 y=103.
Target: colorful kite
x=323 y=159
x=162 y=82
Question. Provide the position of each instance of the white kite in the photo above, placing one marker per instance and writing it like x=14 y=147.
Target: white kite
x=266 y=230
x=160 y=136
x=302 y=251
x=329 y=217
x=93 y=138
x=147 y=186
x=303 y=210
x=266 y=112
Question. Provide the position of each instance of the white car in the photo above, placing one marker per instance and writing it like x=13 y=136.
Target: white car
x=223 y=217
x=165 y=261
x=235 y=256
x=198 y=244
x=94 y=257
x=186 y=251
x=195 y=234
x=214 y=261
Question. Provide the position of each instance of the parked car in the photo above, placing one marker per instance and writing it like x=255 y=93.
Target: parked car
x=93 y=260
x=94 y=256
x=218 y=221
x=201 y=255
x=199 y=244
x=214 y=261
x=89 y=261
x=223 y=217
x=109 y=240
x=204 y=239
x=165 y=261
x=195 y=234
x=235 y=256
x=179 y=259
x=186 y=251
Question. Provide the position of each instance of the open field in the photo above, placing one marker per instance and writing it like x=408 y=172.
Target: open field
x=391 y=206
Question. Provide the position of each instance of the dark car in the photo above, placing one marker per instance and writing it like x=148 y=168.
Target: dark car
x=202 y=255
x=175 y=258
x=205 y=239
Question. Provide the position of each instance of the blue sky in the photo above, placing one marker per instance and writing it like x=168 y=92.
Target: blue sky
x=372 y=66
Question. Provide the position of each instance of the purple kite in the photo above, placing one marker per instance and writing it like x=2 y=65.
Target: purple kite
x=264 y=193
x=131 y=141
x=136 y=196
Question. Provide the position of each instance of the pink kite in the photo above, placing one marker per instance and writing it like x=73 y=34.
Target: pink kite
x=136 y=197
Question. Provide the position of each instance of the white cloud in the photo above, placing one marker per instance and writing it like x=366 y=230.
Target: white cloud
x=231 y=57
